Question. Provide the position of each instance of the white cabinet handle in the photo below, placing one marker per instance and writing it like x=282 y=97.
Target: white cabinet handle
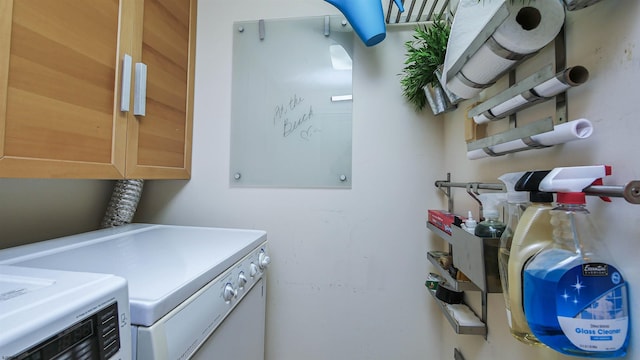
x=126 y=83
x=140 y=91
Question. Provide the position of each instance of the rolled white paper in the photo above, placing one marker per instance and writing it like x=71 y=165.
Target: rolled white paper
x=520 y=33
x=569 y=131
x=561 y=82
x=508 y=105
x=551 y=87
x=501 y=108
x=481 y=119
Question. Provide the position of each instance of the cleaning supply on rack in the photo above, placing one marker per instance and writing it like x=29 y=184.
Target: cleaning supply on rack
x=463 y=315
x=432 y=282
x=575 y=298
x=443 y=219
x=491 y=227
x=517 y=202
x=448 y=294
x=469 y=225
x=532 y=234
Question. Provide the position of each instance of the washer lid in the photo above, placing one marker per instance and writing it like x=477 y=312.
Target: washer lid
x=163 y=264
x=37 y=303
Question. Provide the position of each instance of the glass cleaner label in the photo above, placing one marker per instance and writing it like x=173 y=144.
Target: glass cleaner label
x=592 y=307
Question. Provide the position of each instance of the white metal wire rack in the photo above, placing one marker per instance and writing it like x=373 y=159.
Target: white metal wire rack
x=416 y=11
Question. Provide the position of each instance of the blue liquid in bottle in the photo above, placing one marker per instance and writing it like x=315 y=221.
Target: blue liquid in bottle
x=552 y=293
x=576 y=306
x=541 y=313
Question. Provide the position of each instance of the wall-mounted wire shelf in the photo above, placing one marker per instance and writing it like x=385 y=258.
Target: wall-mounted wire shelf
x=416 y=11
x=471 y=253
x=457 y=285
x=629 y=191
x=457 y=327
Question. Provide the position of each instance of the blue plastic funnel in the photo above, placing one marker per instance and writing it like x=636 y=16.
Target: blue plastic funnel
x=366 y=17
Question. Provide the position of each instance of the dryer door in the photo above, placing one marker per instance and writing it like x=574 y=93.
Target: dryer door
x=241 y=334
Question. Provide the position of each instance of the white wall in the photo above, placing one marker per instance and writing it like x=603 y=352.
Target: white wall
x=348 y=265
x=348 y=270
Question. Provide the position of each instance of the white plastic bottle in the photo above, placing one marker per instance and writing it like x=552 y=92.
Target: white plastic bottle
x=470 y=223
x=575 y=298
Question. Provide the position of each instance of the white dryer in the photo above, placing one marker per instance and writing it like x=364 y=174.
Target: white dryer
x=190 y=288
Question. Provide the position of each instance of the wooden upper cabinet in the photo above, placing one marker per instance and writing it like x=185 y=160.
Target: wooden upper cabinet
x=160 y=141
x=61 y=72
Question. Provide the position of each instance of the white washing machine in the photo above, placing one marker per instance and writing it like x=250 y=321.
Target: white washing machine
x=51 y=314
x=193 y=291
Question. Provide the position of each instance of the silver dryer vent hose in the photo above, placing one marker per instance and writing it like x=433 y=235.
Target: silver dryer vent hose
x=123 y=204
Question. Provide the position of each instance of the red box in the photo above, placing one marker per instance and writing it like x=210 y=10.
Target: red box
x=442 y=219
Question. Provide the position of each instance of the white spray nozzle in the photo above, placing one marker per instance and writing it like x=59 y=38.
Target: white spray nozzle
x=510 y=180
x=573 y=179
x=490 y=202
x=569 y=182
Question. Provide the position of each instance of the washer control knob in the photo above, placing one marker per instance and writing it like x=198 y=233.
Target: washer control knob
x=253 y=270
x=229 y=292
x=263 y=260
x=242 y=280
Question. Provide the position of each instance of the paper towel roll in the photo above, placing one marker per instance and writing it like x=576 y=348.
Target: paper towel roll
x=484 y=65
x=458 y=87
x=529 y=27
x=569 y=131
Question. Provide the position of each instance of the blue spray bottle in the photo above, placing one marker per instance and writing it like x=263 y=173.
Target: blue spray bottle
x=575 y=298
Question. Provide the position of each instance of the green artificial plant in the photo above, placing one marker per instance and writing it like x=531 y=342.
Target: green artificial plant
x=424 y=54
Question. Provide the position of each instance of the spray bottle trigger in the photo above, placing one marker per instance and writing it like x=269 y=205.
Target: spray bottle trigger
x=608 y=170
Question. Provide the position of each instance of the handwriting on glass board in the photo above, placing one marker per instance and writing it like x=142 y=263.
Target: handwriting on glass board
x=308 y=132
x=283 y=109
x=290 y=116
x=289 y=127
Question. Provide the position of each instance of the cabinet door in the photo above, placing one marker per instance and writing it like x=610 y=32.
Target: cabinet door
x=160 y=142
x=60 y=64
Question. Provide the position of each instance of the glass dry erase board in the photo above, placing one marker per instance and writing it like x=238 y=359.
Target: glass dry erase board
x=292 y=103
